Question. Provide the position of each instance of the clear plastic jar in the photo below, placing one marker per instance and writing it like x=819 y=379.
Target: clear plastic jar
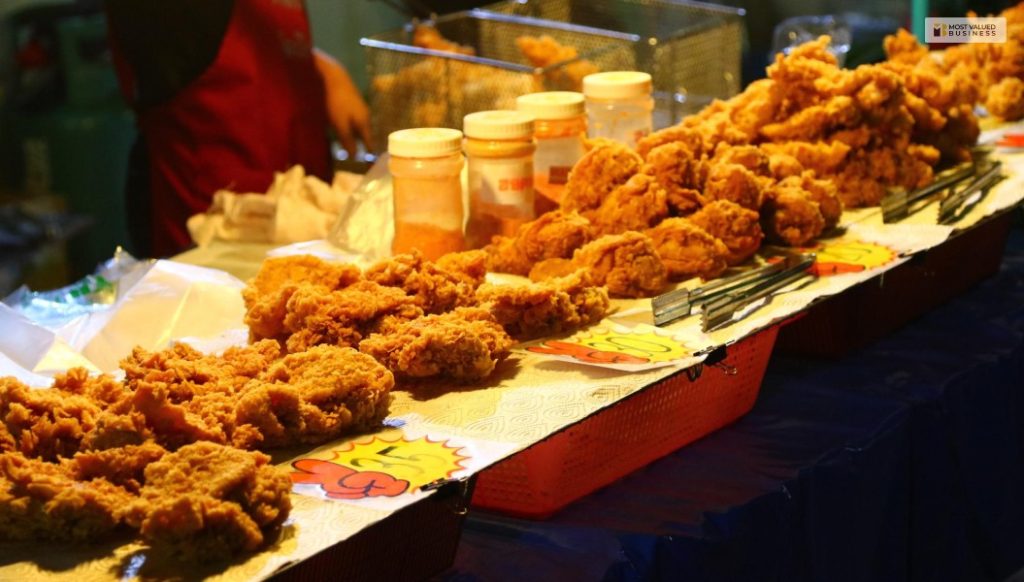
x=619 y=105
x=499 y=152
x=426 y=167
x=559 y=129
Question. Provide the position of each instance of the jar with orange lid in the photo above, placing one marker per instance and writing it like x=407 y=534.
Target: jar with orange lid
x=499 y=153
x=559 y=129
x=619 y=105
x=426 y=168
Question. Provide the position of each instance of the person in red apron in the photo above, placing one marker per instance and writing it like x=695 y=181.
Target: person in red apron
x=226 y=92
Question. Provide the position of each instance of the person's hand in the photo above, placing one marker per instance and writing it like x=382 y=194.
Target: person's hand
x=346 y=109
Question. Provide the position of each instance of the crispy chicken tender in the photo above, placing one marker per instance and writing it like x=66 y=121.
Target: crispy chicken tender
x=555 y=234
x=688 y=250
x=791 y=217
x=264 y=300
x=627 y=264
x=688 y=136
x=44 y=423
x=541 y=309
x=1006 y=99
x=435 y=288
x=734 y=183
x=823 y=192
x=675 y=168
x=121 y=466
x=343 y=318
x=601 y=170
x=42 y=501
x=209 y=502
x=312 y=397
x=636 y=205
x=469 y=266
x=464 y=345
x=737 y=227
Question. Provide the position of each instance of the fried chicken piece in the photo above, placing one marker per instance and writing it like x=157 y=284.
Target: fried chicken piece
x=627 y=264
x=635 y=205
x=464 y=345
x=435 y=288
x=791 y=217
x=278 y=272
x=784 y=166
x=904 y=47
x=688 y=136
x=674 y=167
x=542 y=309
x=750 y=157
x=555 y=234
x=41 y=501
x=601 y=170
x=552 y=269
x=312 y=397
x=688 y=250
x=822 y=157
x=209 y=502
x=735 y=183
x=343 y=318
x=117 y=424
x=121 y=466
x=44 y=423
x=543 y=51
x=469 y=266
x=814 y=121
x=737 y=227
x=428 y=37
x=821 y=191
x=1006 y=99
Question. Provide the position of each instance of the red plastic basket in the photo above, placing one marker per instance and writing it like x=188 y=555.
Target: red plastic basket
x=626 y=436
x=872 y=310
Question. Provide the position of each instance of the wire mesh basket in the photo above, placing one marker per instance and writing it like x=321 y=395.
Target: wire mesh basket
x=692 y=50
x=412 y=86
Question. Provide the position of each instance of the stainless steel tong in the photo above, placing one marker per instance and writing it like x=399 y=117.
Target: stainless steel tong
x=720 y=299
x=897 y=204
x=959 y=203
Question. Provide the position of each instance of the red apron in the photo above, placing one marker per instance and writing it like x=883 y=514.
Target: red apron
x=259 y=108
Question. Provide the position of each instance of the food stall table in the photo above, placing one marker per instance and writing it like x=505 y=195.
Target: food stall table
x=903 y=461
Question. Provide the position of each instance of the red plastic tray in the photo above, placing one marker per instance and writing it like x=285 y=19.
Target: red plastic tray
x=626 y=436
x=872 y=310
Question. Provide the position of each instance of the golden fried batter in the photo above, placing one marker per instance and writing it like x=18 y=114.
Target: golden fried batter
x=555 y=234
x=734 y=183
x=737 y=227
x=627 y=264
x=674 y=167
x=635 y=205
x=603 y=169
x=464 y=345
x=791 y=217
x=1006 y=99
x=688 y=250
x=541 y=309
x=209 y=502
x=435 y=288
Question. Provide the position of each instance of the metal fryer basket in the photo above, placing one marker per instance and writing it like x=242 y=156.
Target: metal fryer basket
x=693 y=50
x=416 y=87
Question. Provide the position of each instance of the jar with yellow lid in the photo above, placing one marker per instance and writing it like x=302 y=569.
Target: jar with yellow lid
x=619 y=105
x=559 y=129
x=499 y=153
x=426 y=167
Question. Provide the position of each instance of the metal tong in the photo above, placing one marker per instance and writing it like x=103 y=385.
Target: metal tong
x=896 y=205
x=949 y=209
x=721 y=311
x=682 y=302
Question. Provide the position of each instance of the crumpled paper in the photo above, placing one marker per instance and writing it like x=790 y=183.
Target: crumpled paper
x=170 y=301
x=295 y=208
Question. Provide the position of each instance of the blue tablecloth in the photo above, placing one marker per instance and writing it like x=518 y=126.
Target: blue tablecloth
x=904 y=461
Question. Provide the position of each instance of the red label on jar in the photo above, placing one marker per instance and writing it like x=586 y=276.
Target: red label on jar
x=559 y=174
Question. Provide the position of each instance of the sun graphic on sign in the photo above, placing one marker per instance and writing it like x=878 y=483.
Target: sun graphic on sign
x=610 y=346
x=850 y=257
x=379 y=467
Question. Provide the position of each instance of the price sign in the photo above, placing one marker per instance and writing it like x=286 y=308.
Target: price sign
x=620 y=347
x=850 y=257
x=379 y=467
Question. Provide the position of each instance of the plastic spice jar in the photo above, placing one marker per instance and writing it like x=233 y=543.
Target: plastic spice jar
x=426 y=166
x=559 y=128
x=499 y=151
x=619 y=105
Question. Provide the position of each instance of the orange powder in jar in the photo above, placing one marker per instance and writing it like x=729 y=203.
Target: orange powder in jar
x=559 y=131
x=426 y=165
x=499 y=150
